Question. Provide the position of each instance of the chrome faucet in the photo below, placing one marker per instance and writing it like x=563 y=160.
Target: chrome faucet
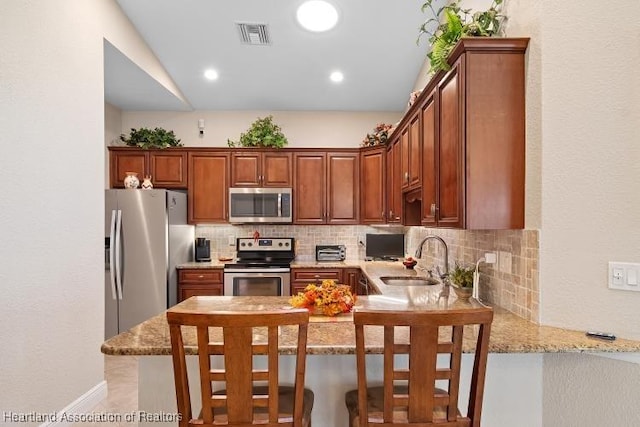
x=443 y=276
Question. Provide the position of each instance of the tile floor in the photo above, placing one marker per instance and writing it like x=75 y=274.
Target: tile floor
x=121 y=374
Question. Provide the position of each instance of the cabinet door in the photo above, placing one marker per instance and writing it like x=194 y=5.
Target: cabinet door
x=450 y=151
x=310 y=188
x=415 y=152
x=372 y=186
x=343 y=182
x=208 y=187
x=168 y=168
x=245 y=169
x=429 y=165
x=123 y=162
x=394 y=180
x=351 y=277
x=276 y=169
x=404 y=150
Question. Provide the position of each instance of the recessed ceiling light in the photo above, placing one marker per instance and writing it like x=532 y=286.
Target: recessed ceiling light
x=211 y=74
x=317 y=15
x=336 y=77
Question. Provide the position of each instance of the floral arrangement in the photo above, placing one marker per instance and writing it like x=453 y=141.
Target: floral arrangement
x=379 y=136
x=329 y=298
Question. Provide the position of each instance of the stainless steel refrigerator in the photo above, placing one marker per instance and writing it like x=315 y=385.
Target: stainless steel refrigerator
x=147 y=235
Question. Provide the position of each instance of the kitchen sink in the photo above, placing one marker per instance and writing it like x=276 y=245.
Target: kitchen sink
x=409 y=281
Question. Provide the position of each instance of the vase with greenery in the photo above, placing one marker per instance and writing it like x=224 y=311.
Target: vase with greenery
x=151 y=138
x=262 y=133
x=461 y=278
x=452 y=23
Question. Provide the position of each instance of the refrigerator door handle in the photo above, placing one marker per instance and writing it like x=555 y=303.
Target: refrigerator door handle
x=112 y=249
x=118 y=253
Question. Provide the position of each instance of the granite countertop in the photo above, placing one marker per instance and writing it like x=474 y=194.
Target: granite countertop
x=335 y=335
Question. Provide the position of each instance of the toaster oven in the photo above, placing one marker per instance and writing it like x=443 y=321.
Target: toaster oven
x=331 y=252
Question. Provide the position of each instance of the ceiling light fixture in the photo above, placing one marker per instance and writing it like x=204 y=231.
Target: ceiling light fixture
x=317 y=15
x=336 y=77
x=211 y=74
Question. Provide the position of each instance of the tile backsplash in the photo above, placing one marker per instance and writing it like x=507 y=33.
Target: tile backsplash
x=512 y=283
x=307 y=237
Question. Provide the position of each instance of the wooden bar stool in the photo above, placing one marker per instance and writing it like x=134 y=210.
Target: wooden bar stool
x=409 y=396
x=242 y=403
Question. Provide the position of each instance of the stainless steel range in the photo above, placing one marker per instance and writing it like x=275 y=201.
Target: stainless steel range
x=263 y=267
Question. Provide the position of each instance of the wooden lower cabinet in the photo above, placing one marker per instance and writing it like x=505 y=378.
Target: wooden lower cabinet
x=301 y=277
x=199 y=282
x=351 y=277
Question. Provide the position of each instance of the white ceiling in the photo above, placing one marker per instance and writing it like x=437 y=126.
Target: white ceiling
x=374 y=45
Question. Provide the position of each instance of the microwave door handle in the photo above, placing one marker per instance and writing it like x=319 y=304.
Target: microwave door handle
x=112 y=249
x=279 y=205
x=118 y=253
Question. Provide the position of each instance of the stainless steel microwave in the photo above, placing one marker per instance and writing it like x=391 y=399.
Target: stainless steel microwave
x=267 y=205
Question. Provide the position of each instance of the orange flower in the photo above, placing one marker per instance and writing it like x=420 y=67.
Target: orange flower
x=330 y=298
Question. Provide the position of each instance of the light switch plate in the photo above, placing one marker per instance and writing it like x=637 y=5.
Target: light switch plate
x=504 y=262
x=232 y=240
x=624 y=276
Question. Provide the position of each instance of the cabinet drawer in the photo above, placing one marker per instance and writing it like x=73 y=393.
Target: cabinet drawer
x=311 y=276
x=189 y=290
x=200 y=275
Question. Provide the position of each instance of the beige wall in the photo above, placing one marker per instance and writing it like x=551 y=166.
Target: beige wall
x=302 y=128
x=590 y=158
x=52 y=116
x=112 y=131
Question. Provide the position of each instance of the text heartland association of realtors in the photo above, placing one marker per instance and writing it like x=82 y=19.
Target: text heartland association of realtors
x=91 y=417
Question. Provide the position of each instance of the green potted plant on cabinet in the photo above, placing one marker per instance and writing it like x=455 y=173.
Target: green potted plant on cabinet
x=147 y=138
x=452 y=23
x=262 y=133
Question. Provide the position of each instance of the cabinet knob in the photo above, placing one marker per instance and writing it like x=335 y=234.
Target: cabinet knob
x=201 y=276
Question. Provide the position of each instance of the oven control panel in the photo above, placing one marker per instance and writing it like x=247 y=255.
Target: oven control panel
x=262 y=244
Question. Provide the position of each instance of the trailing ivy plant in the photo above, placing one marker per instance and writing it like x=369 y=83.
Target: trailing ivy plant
x=148 y=138
x=452 y=23
x=262 y=133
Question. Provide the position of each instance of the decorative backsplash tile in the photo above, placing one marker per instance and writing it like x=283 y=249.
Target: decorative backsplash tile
x=512 y=283
x=307 y=237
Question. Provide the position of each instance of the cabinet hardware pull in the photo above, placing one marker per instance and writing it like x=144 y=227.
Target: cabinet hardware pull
x=433 y=208
x=391 y=214
x=201 y=276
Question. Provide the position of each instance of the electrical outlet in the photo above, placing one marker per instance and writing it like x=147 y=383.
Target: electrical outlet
x=232 y=240
x=490 y=257
x=504 y=262
x=624 y=276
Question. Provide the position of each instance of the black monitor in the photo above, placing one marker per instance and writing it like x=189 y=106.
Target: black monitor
x=385 y=246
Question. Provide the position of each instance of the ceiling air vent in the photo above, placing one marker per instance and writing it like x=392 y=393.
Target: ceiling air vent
x=256 y=34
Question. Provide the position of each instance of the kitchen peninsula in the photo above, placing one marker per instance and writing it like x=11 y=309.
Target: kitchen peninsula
x=514 y=370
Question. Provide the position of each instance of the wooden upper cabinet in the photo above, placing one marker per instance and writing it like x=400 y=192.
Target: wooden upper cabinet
x=451 y=162
x=429 y=165
x=343 y=185
x=411 y=142
x=394 y=181
x=326 y=189
x=208 y=187
x=127 y=160
x=261 y=169
x=372 y=185
x=167 y=168
x=309 y=192
x=473 y=137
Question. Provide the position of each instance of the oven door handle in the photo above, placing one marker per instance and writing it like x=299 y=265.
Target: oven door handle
x=257 y=271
